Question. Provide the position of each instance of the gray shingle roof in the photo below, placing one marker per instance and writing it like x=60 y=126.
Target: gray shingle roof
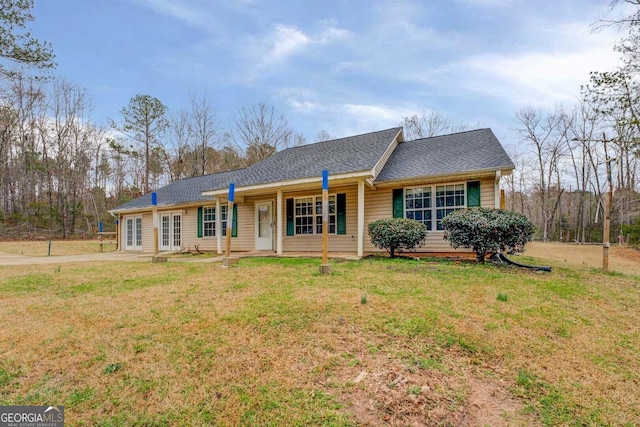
x=183 y=191
x=470 y=151
x=344 y=155
x=447 y=154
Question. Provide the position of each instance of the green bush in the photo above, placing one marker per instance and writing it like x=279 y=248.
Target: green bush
x=487 y=230
x=397 y=234
x=632 y=231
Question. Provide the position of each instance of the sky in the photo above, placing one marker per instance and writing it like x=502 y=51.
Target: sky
x=344 y=66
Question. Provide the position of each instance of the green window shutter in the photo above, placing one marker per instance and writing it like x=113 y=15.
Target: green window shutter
x=200 y=221
x=234 y=223
x=341 y=213
x=398 y=203
x=473 y=193
x=290 y=224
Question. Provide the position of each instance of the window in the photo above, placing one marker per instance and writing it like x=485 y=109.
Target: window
x=209 y=220
x=448 y=199
x=425 y=204
x=308 y=215
x=417 y=205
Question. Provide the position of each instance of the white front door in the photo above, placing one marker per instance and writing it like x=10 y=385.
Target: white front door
x=133 y=233
x=170 y=232
x=264 y=230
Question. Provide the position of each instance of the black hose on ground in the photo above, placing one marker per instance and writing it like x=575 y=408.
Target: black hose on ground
x=502 y=258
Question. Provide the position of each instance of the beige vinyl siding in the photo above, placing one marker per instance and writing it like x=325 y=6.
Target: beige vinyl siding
x=488 y=193
x=246 y=224
x=147 y=232
x=244 y=241
x=190 y=231
x=337 y=242
x=379 y=204
x=191 y=239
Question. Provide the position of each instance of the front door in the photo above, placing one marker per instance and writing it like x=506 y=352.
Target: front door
x=264 y=229
x=170 y=232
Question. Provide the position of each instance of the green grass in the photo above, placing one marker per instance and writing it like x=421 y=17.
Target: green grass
x=272 y=342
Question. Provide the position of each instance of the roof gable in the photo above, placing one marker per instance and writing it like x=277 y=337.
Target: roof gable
x=463 y=152
x=338 y=156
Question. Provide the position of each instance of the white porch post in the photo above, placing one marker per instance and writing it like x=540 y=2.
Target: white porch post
x=219 y=226
x=279 y=223
x=497 y=190
x=360 y=218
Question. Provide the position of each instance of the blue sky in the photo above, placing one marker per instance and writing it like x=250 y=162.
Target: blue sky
x=344 y=66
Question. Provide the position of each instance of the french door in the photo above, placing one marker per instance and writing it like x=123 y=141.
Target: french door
x=133 y=233
x=170 y=232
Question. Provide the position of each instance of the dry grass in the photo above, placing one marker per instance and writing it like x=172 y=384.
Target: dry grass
x=58 y=247
x=622 y=259
x=271 y=342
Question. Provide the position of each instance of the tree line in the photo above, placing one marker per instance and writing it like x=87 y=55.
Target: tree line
x=60 y=172
x=572 y=157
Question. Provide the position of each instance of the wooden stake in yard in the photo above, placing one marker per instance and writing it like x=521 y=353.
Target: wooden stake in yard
x=325 y=268
x=154 y=203
x=227 y=260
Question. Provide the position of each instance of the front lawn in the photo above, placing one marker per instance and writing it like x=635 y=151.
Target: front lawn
x=272 y=342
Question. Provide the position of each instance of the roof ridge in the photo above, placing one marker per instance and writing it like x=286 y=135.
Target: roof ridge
x=344 y=137
x=449 y=134
x=206 y=175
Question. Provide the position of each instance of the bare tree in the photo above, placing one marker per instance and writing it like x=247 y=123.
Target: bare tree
x=429 y=123
x=548 y=136
x=178 y=145
x=203 y=129
x=324 y=135
x=262 y=132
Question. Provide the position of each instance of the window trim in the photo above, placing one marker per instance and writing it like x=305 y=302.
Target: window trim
x=223 y=222
x=314 y=215
x=434 y=208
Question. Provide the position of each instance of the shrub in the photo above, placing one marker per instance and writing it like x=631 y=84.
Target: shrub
x=632 y=231
x=397 y=234
x=487 y=230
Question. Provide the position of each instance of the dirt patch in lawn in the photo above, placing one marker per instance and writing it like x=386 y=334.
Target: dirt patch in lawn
x=390 y=393
x=621 y=258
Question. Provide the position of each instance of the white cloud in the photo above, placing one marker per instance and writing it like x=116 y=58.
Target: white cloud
x=284 y=42
x=543 y=77
x=376 y=113
x=180 y=10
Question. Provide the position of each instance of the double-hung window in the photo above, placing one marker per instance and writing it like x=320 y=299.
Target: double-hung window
x=209 y=220
x=418 y=206
x=308 y=215
x=448 y=199
x=430 y=205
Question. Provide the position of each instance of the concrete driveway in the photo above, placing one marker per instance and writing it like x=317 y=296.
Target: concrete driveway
x=12 y=259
